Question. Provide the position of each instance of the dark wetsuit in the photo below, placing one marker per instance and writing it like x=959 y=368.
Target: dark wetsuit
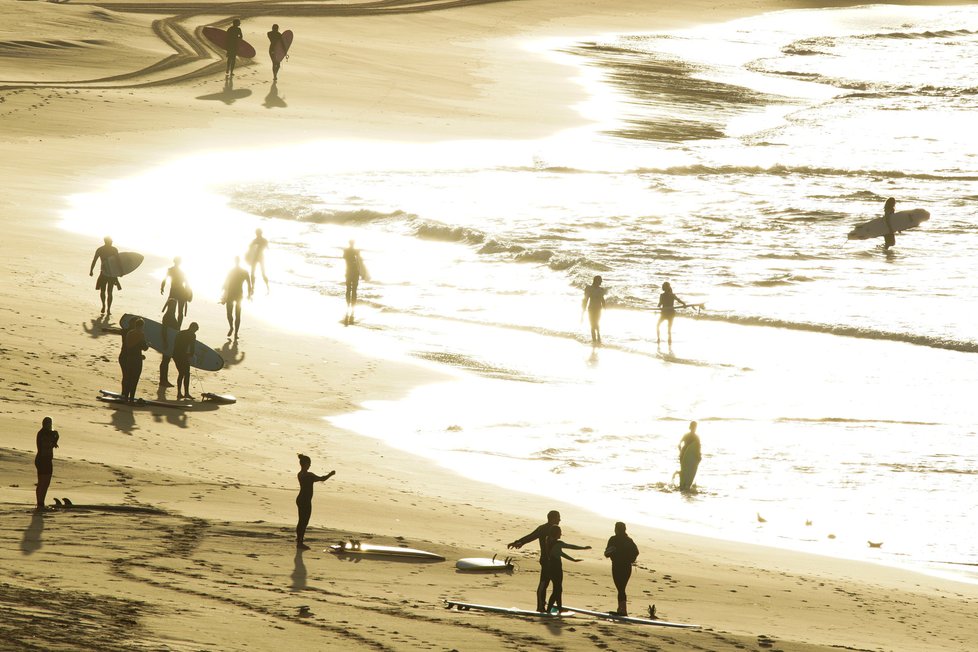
x=889 y=239
x=623 y=553
x=183 y=351
x=353 y=272
x=234 y=38
x=44 y=460
x=304 y=500
x=274 y=38
x=594 y=302
x=179 y=289
x=540 y=534
x=689 y=460
x=170 y=323
x=233 y=294
x=105 y=280
x=555 y=560
x=134 y=343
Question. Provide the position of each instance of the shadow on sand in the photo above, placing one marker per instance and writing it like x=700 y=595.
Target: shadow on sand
x=273 y=100
x=228 y=94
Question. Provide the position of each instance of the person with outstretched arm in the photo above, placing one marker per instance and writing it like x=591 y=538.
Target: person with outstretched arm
x=234 y=295
x=667 y=308
x=622 y=552
x=183 y=352
x=889 y=208
x=555 y=556
x=304 y=500
x=594 y=303
x=106 y=281
x=540 y=534
x=689 y=458
x=231 y=45
x=47 y=441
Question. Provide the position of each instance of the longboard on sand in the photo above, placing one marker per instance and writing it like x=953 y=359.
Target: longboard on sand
x=123 y=264
x=610 y=615
x=900 y=221
x=281 y=50
x=114 y=397
x=509 y=611
x=204 y=357
x=485 y=564
x=370 y=550
x=219 y=37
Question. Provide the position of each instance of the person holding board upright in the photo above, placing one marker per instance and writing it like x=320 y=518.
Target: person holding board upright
x=667 y=310
x=276 y=46
x=594 y=303
x=689 y=458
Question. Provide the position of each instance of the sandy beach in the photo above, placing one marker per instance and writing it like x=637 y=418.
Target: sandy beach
x=182 y=534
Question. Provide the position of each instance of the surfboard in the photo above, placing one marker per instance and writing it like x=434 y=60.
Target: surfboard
x=370 y=550
x=204 y=357
x=219 y=37
x=124 y=263
x=223 y=399
x=610 y=615
x=114 y=397
x=900 y=221
x=484 y=564
x=280 y=50
x=509 y=611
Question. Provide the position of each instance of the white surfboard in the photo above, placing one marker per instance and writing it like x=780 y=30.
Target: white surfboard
x=900 y=221
x=370 y=550
x=484 y=564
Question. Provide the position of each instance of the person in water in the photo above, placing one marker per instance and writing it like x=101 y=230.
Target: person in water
x=540 y=534
x=47 y=441
x=234 y=295
x=170 y=323
x=231 y=45
x=889 y=239
x=354 y=270
x=275 y=40
x=304 y=500
x=689 y=458
x=131 y=359
x=106 y=281
x=594 y=304
x=179 y=289
x=667 y=310
x=183 y=352
x=555 y=556
x=622 y=552
x=256 y=254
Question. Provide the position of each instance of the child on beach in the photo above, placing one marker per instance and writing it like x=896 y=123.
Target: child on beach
x=555 y=552
x=304 y=500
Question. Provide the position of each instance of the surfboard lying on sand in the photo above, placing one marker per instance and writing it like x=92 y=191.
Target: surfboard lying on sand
x=204 y=357
x=509 y=611
x=900 y=221
x=280 y=50
x=219 y=37
x=485 y=564
x=114 y=397
x=370 y=550
x=124 y=263
x=610 y=615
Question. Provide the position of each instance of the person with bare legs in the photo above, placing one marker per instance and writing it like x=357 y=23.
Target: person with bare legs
x=556 y=555
x=183 y=352
x=304 y=500
x=179 y=288
x=354 y=271
x=594 y=304
x=689 y=458
x=540 y=534
x=256 y=256
x=234 y=295
x=106 y=280
x=170 y=324
x=667 y=308
x=622 y=552
x=47 y=441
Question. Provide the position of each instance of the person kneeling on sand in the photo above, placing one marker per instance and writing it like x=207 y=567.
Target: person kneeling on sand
x=304 y=500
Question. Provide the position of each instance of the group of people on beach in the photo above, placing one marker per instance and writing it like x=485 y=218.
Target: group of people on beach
x=594 y=303
x=232 y=44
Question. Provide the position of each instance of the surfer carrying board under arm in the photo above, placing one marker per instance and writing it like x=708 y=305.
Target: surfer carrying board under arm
x=179 y=289
x=105 y=281
x=304 y=500
x=889 y=207
x=234 y=38
x=540 y=534
x=594 y=303
x=667 y=307
x=234 y=295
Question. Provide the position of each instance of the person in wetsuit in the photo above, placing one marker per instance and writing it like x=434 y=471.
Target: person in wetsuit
x=231 y=45
x=689 y=458
x=667 y=308
x=274 y=39
x=594 y=304
x=183 y=351
x=354 y=270
x=256 y=253
x=179 y=289
x=47 y=441
x=889 y=207
x=555 y=556
x=622 y=552
x=540 y=534
x=234 y=295
x=106 y=281
x=134 y=343
x=170 y=323
x=304 y=500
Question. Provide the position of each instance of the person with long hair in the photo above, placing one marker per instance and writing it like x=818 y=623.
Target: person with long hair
x=47 y=441
x=622 y=552
x=667 y=310
x=555 y=551
x=304 y=500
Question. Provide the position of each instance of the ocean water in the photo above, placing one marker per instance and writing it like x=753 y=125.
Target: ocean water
x=832 y=381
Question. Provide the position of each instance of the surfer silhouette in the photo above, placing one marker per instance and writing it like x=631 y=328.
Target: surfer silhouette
x=355 y=270
x=47 y=441
x=179 y=288
x=170 y=322
x=689 y=458
x=275 y=40
x=304 y=500
x=106 y=280
x=540 y=534
x=234 y=295
x=256 y=256
x=622 y=552
x=889 y=207
x=234 y=38
x=594 y=304
x=134 y=343
x=555 y=552
x=183 y=351
x=667 y=310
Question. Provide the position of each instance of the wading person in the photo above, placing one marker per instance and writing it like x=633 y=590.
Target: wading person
x=594 y=304
x=354 y=271
x=256 y=255
x=889 y=239
x=107 y=280
x=234 y=295
x=689 y=458
x=622 y=552
x=304 y=500
x=47 y=441
x=667 y=308
x=555 y=556
x=540 y=534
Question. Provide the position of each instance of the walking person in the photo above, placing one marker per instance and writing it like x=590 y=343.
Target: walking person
x=555 y=556
x=594 y=304
x=304 y=500
x=47 y=441
x=183 y=352
x=256 y=255
x=234 y=295
x=107 y=280
x=622 y=552
x=540 y=534
x=179 y=288
x=689 y=458
x=233 y=42
x=355 y=270
x=276 y=50
x=667 y=307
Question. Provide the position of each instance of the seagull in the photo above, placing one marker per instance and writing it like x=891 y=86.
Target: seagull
x=761 y=519
x=875 y=544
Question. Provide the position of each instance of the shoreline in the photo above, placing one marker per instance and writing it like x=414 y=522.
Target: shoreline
x=216 y=471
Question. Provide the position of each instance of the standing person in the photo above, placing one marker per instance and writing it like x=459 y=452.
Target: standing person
x=47 y=441
x=170 y=323
x=233 y=42
x=889 y=239
x=540 y=534
x=106 y=279
x=256 y=255
x=667 y=307
x=234 y=295
x=275 y=41
x=622 y=552
x=555 y=557
x=183 y=351
x=594 y=303
x=689 y=457
x=354 y=270
x=179 y=288
x=304 y=500
x=134 y=343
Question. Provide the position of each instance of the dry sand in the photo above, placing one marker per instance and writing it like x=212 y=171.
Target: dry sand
x=189 y=542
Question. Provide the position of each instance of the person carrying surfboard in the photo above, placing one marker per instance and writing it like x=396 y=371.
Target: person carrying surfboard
x=47 y=441
x=889 y=208
x=304 y=500
x=594 y=303
x=540 y=534
x=234 y=295
x=106 y=280
x=667 y=310
x=275 y=42
x=689 y=457
x=622 y=552
x=234 y=38
x=183 y=351
x=555 y=556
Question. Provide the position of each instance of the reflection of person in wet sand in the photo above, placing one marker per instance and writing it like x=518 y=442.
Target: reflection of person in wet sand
x=47 y=441
x=540 y=534
x=689 y=458
x=234 y=295
x=667 y=307
x=183 y=352
x=275 y=40
x=594 y=303
x=354 y=270
x=256 y=256
x=179 y=289
x=106 y=281
x=304 y=500
x=556 y=555
x=234 y=38
x=622 y=552
x=170 y=323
